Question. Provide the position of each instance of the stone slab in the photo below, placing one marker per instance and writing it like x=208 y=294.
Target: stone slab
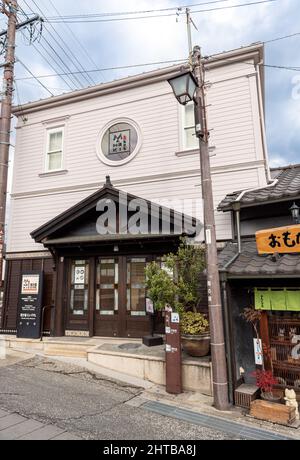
x=66 y=437
x=21 y=429
x=43 y=434
x=10 y=420
x=3 y=413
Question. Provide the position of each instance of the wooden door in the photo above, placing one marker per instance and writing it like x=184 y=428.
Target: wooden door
x=120 y=297
x=107 y=311
x=78 y=287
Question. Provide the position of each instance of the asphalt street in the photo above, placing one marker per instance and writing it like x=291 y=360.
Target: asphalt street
x=86 y=405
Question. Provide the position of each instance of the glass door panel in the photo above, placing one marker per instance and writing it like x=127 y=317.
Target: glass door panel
x=107 y=299
x=136 y=286
x=79 y=287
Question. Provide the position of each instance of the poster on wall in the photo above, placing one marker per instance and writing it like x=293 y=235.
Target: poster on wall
x=149 y=306
x=30 y=306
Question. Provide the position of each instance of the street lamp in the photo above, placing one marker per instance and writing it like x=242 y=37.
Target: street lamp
x=184 y=86
x=189 y=86
x=295 y=210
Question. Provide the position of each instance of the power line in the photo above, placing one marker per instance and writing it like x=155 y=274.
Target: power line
x=274 y=66
x=282 y=38
x=53 y=59
x=33 y=76
x=74 y=20
x=115 y=68
x=76 y=82
x=85 y=51
x=125 y=13
x=77 y=64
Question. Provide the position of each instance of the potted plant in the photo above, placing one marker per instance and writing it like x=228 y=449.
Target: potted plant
x=176 y=283
x=266 y=381
x=195 y=335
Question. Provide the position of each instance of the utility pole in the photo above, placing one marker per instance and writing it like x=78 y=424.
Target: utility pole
x=6 y=113
x=9 y=8
x=189 y=31
x=218 y=352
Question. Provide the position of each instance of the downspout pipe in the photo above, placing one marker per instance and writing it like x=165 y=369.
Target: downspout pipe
x=227 y=337
x=262 y=121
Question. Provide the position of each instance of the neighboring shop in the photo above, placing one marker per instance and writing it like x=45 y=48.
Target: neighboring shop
x=260 y=269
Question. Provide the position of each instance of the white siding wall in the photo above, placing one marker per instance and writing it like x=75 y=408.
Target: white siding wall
x=156 y=172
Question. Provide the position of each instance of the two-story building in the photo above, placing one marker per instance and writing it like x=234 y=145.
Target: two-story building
x=134 y=131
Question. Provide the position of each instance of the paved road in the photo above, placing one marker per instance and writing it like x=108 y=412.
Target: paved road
x=77 y=403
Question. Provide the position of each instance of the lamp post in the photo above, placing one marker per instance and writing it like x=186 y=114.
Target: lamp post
x=295 y=211
x=186 y=90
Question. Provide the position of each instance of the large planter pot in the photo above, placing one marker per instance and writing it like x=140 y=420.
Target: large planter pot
x=196 y=345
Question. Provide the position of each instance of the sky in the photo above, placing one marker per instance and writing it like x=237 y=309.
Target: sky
x=129 y=42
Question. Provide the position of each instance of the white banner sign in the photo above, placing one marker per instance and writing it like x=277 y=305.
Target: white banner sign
x=258 y=352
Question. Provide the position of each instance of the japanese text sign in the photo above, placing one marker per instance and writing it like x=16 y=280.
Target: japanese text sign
x=282 y=240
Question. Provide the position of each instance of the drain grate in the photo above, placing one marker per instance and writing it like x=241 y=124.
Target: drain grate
x=129 y=346
x=215 y=423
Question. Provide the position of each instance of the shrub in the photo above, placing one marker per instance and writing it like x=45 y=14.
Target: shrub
x=194 y=323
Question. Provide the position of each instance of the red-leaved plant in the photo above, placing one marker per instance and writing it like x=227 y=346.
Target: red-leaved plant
x=265 y=380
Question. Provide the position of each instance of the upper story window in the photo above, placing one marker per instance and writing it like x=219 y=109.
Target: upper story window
x=119 y=142
x=190 y=140
x=54 y=156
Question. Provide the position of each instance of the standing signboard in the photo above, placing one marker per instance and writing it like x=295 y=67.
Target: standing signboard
x=173 y=353
x=30 y=305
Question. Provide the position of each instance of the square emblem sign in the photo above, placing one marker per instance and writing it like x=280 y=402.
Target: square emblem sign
x=30 y=284
x=119 y=142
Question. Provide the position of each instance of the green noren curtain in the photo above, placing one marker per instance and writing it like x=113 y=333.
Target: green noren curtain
x=277 y=299
x=262 y=299
x=293 y=300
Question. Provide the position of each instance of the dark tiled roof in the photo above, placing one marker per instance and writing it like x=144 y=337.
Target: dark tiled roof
x=287 y=187
x=249 y=263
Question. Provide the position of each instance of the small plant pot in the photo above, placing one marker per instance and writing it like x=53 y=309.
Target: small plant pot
x=196 y=345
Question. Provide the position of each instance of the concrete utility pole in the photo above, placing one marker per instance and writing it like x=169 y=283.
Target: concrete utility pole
x=9 y=8
x=6 y=109
x=218 y=353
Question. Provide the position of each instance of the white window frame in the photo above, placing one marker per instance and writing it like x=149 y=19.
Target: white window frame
x=183 y=127
x=49 y=132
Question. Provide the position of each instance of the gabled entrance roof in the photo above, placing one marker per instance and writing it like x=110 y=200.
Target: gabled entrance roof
x=52 y=230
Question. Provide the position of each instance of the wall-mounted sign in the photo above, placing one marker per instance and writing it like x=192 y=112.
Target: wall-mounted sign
x=29 y=316
x=280 y=240
x=119 y=141
x=174 y=318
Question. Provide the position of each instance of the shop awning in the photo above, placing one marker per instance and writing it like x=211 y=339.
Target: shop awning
x=249 y=264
